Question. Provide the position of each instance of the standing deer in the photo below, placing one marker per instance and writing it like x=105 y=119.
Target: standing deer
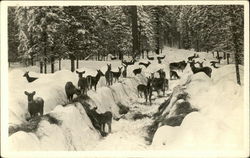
x=109 y=75
x=35 y=106
x=116 y=75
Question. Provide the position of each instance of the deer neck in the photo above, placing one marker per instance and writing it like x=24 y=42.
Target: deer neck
x=98 y=76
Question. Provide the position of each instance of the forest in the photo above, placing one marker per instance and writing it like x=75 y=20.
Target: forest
x=45 y=34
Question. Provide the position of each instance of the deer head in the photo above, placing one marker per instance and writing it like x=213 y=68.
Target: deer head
x=80 y=73
x=30 y=95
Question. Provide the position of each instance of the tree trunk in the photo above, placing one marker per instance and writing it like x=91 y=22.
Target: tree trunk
x=45 y=65
x=157 y=51
x=235 y=38
x=218 y=54
x=72 y=65
x=59 y=63
x=31 y=60
x=52 y=64
x=224 y=53
x=134 y=30
x=41 y=67
x=77 y=63
x=228 y=57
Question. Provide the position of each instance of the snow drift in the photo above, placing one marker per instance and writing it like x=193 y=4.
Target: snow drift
x=218 y=125
x=76 y=131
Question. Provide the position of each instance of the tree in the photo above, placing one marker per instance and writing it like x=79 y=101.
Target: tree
x=133 y=10
x=13 y=41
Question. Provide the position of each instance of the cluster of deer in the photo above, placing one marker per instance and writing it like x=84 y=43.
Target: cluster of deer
x=182 y=64
x=153 y=84
x=159 y=58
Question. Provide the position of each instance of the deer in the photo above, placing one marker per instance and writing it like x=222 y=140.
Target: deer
x=213 y=63
x=145 y=64
x=70 y=90
x=29 y=79
x=162 y=74
x=174 y=74
x=160 y=58
x=192 y=57
x=116 y=75
x=206 y=70
x=93 y=80
x=103 y=118
x=159 y=84
x=200 y=63
x=150 y=58
x=132 y=62
x=146 y=90
x=178 y=65
x=109 y=75
x=35 y=106
x=124 y=73
x=82 y=82
x=137 y=71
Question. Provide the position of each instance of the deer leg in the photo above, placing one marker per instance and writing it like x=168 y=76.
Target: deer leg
x=146 y=97
x=103 y=125
x=109 y=124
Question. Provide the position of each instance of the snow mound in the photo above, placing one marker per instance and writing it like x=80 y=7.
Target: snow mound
x=74 y=133
x=219 y=123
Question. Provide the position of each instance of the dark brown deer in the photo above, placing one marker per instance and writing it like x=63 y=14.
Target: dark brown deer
x=93 y=80
x=158 y=84
x=124 y=73
x=82 y=82
x=132 y=62
x=150 y=58
x=160 y=58
x=103 y=118
x=34 y=106
x=29 y=79
x=173 y=74
x=109 y=75
x=178 y=65
x=145 y=64
x=70 y=90
x=200 y=63
x=137 y=71
x=146 y=90
x=192 y=57
x=116 y=75
x=206 y=70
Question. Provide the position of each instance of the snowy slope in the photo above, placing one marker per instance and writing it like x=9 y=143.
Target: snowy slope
x=214 y=126
x=219 y=123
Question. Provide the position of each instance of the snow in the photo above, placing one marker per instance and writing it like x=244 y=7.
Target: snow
x=217 y=125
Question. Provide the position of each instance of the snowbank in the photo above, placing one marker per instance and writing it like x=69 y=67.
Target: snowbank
x=219 y=123
x=76 y=131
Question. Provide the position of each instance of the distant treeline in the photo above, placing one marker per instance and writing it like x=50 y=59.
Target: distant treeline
x=46 y=33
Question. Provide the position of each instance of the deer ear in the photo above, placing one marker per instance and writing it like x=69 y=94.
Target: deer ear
x=26 y=93
x=83 y=72
x=33 y=93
